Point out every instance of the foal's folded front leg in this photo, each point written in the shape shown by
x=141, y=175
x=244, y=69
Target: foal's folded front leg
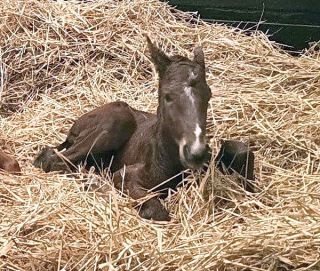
x=129, y=181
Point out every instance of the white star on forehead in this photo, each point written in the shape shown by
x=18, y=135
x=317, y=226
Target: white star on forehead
x=188, y=91
x=192, y=75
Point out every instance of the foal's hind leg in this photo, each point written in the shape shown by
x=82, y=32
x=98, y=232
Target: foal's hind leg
x=103, y=130
x=129, y=181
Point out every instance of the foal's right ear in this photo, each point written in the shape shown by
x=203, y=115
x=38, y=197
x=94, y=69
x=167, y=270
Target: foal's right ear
x=199, y=56
x=158, y=57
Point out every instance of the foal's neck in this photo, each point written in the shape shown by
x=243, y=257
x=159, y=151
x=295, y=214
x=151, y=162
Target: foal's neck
x=165, y=149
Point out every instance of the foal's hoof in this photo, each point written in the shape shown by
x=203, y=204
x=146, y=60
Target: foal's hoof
x=48, y=161
x=44, y=159
x=153, y=209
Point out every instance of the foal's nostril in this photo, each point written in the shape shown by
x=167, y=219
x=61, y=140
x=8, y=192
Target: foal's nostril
x=186, y=152
x=195, y=155
x=199, y=155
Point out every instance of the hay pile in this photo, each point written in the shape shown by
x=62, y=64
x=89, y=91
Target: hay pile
x=61, y=59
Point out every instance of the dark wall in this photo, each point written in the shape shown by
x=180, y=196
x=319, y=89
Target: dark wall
x=291, y=22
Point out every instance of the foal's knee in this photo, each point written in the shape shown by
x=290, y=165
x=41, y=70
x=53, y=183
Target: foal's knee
x=153, y=209
x=128, y=181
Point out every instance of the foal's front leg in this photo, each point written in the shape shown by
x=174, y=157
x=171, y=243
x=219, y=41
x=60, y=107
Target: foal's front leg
x=129, y=180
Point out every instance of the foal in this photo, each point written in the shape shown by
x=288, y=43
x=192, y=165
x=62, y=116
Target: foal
x=153, y=148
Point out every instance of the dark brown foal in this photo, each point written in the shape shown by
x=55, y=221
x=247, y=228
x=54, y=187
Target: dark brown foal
x=147, y=149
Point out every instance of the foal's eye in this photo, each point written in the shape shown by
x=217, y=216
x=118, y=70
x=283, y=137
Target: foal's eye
x=168, y=98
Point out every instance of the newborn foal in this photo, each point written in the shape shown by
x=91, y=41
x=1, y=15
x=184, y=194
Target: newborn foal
x=154, y=148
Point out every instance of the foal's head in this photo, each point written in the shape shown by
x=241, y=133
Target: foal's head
x=183, y=102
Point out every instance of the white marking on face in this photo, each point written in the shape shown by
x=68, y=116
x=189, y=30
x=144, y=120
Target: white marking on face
x=197, y=131
x=182, y=143
x=188, y=91
x=192, y=76
x=196, y=145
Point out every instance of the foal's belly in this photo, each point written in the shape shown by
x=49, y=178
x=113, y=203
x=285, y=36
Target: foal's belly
x=137, y=148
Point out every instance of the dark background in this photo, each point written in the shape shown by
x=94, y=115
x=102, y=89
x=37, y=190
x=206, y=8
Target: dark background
x=295, y=23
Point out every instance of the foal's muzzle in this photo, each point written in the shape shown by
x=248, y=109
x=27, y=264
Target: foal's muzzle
x=193, y=158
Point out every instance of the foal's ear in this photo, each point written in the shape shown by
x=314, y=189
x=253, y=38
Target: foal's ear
x=199, y=56
x=158, y=57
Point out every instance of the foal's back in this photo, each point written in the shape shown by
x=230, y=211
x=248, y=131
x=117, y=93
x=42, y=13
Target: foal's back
x=137, y=147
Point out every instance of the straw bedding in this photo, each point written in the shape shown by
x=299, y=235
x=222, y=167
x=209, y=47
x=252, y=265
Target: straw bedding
x=61, y=59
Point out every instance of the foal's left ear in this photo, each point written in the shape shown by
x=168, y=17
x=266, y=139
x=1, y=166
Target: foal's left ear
x=199, y=56
x=158, y=57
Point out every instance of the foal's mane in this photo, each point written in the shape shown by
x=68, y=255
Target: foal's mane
x=182, y=59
